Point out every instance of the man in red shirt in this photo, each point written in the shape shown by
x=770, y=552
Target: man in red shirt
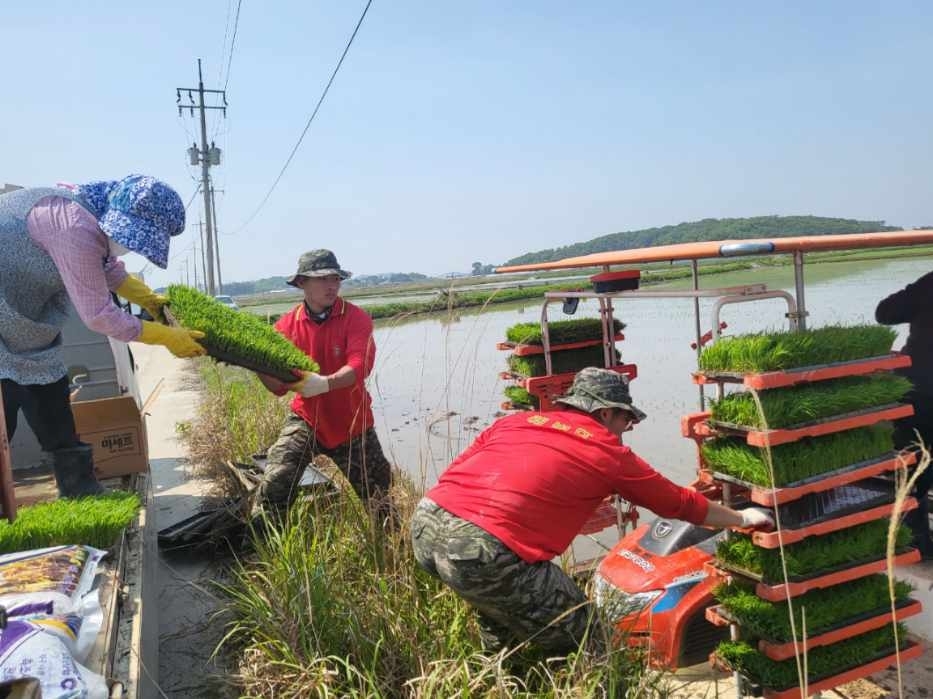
x=332, y=411
x=521, y=492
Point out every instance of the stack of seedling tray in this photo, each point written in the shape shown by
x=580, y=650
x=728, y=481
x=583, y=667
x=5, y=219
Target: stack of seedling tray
x=827, y=397
x=573, y=345
x=236, y=337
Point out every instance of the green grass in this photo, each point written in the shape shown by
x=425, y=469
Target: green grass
x=561, y=331
x=235, y=418
x=821, y=662
x=798, y=460
x=330, y=605
x=519, y=397
x=823, y=608
x=797, y=405
x=241, y=335
x=814, y=555
x=93, y=521
x=787, y=350
x=562, y=362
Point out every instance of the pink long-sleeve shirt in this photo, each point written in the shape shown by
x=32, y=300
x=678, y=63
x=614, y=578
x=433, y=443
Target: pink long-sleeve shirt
x=71, y=237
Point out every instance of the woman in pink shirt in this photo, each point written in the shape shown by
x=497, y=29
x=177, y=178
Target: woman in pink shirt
x=62, y=244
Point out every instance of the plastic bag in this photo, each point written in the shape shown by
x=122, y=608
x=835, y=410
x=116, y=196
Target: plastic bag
x=39, y=648
x=62, y=575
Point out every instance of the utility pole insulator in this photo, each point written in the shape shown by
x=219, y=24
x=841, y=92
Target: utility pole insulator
x=205, y=157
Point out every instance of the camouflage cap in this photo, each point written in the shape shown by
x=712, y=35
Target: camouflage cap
x=318, y=263
x=595, y=388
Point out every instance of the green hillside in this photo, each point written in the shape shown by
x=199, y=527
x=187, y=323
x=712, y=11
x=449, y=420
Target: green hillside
x=708, y=229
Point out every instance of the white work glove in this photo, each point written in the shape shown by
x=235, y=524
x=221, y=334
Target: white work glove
x=311, y=385
x=757, y=518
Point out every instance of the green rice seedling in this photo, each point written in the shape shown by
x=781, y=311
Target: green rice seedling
x=798, y=405
x=822, y=662
x=825, y=608
x=797, y=460
x=239, y=338
x=812, y=556
x=519, y=397
x=780, y=351
x=92, y=521
x=562, y=362
x=561, y=331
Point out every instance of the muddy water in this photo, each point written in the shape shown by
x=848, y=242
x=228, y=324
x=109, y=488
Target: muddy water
x=436, y=381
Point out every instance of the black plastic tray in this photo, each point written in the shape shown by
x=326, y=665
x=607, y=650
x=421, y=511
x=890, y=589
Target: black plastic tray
x=837, y=502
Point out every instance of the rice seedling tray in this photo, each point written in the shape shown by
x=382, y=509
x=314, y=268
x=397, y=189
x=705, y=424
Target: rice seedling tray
x=772, y=497
x=854, y=626
x=786, y=350
x=797, y=585
x=822, y=372
x=837, y=423
x=825, y=523
x=525, y=350
x=229, y=358
x=236, y=338
x=560, y=332
x=911, y=651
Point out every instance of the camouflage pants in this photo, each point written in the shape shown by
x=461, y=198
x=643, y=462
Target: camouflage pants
x=361, y=460
x=515, y=601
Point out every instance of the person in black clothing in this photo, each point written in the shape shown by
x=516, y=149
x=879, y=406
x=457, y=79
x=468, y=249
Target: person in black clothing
x=914, y=304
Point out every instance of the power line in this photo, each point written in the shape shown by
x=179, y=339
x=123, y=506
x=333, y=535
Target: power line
x=307, y=125
x=196, y=190
x=223, y=46
x=236, y=23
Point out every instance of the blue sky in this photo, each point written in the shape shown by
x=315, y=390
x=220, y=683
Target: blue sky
x=478, y=131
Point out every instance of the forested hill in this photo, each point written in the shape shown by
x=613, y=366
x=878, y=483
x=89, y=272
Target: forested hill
x=708, y=229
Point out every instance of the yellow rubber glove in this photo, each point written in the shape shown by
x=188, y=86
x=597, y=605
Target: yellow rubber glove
x=180, y=341
x=135, y=291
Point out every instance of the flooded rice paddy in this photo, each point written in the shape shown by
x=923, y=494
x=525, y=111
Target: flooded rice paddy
x=436, y=382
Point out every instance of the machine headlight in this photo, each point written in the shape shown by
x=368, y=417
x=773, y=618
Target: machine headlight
x=617, y=604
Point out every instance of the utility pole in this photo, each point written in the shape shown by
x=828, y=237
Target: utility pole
x=195, y=265
x=203, y=258
x=205, y=157
x=220, y=281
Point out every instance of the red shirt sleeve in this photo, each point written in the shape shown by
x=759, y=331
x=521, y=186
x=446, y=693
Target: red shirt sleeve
x=645, y=487
x=361, y=350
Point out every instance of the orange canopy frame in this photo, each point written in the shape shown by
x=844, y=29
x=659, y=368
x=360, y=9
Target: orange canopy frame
x=734, y=248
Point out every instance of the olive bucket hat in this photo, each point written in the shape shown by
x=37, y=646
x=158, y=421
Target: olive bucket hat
x=318, y=263
x=595, y=388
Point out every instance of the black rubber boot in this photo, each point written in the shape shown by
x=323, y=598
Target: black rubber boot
x=74, y=472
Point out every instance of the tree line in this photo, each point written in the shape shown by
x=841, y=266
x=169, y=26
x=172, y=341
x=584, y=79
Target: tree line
x=708, y=229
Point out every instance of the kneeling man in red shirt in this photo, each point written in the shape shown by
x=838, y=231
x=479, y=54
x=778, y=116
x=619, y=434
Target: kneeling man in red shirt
x=517, y=497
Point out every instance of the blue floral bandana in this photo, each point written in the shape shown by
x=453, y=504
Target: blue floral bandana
x=140, y=213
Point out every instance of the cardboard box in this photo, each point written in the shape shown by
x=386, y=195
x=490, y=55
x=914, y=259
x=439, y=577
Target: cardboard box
x=116, y=430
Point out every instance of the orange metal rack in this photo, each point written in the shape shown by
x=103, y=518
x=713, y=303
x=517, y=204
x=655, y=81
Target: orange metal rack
x=700, y=427
x=783, y=379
